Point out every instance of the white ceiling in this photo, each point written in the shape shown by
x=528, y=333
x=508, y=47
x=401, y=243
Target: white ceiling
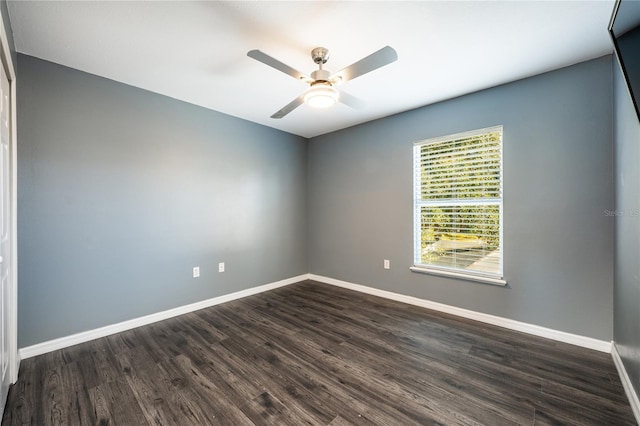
x=196, y=51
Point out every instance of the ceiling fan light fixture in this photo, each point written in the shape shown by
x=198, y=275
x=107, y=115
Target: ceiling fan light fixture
x=321, y=95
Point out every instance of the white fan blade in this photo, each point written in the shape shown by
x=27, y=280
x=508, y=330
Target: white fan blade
x=378, y=59
x=289, y=107
x=350, y=100
x=280, y=66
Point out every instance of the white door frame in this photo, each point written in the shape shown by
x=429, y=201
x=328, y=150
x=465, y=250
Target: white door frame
x=7, y=62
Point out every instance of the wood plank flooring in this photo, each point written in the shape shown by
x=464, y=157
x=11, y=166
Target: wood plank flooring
x=313, y=354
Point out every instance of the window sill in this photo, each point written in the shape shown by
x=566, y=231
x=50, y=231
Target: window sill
x=476, y=278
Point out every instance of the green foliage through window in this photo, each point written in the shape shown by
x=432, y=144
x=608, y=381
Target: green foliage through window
x=458, y=202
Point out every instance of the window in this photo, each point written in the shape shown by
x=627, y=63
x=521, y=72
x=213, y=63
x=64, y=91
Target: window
x=458, y=205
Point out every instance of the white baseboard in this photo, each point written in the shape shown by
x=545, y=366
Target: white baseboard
x=85, y=336
x=63, y=342
x=561, y=336
x=632, y=396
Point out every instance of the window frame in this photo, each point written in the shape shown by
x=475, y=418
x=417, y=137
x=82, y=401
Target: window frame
x=478, y=276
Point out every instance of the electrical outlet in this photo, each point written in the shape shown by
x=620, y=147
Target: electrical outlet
x=196, y=271
x=387, y=264
x=221, y=267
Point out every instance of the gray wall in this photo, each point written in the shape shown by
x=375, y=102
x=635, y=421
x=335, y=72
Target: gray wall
x=558, y=181
x=627, y=251
x=122, y=191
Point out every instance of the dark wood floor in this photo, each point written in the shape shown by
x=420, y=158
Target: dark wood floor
x=319, y=355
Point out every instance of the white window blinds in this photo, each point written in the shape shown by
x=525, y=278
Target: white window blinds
x=458, y=203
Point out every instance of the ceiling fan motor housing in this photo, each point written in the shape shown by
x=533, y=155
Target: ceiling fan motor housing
x=320, y=76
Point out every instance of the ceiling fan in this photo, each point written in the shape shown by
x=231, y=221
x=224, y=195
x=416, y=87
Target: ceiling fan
x=321, y=92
